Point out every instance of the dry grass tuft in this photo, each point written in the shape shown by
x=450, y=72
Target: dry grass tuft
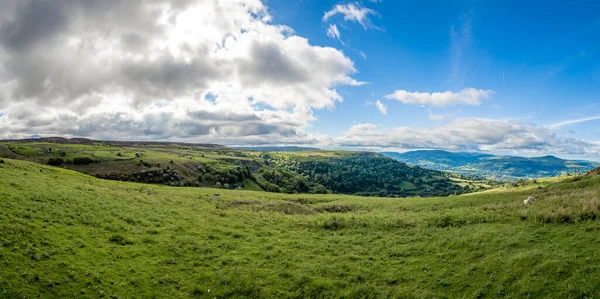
x=493, y=207
x=590, y=206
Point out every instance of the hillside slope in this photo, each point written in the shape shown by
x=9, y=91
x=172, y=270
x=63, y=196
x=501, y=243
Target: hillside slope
x=276, y=148
x=64, y=234
x=491, y=166
x=208, y=165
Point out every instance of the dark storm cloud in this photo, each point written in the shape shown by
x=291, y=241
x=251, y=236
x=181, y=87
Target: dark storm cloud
x=268, y=62
x=35, y=22
x=134, y=42
x=168, y=75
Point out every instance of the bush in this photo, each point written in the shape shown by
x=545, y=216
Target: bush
x=83, y=160
x=319, y=189
x=1, y=161
x=55, y=161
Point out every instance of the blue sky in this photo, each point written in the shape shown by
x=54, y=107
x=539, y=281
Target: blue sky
x=539, y=57
x=506, y=77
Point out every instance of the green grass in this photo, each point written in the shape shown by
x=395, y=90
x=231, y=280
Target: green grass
x=64, y=234
x=316, y=171
x=122, y=159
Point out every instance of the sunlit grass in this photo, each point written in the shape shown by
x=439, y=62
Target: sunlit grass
x=64, y=234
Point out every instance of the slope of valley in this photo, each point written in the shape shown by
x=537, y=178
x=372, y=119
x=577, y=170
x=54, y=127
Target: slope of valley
x=206, y=165
x=64, y=234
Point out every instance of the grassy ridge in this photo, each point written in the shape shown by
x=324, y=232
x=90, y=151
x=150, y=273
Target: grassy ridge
x=198, y=165
x=65, y=234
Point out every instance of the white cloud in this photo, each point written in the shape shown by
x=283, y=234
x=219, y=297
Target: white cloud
x=361, y=53
x=469, y=134
x=214, y=71
x=467, y=96
x=333, y=32
x=353, y=12
x=573, y=121
x=434, y=116
x=381, y=107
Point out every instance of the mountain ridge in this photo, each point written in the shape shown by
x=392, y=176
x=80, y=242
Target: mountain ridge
x=493, y=166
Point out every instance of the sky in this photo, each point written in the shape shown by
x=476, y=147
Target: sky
x=504, y=77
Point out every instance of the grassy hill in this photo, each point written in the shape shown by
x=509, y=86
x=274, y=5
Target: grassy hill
x=64, y=234
x=491, y=166
x=209, y=165
x=276, y=148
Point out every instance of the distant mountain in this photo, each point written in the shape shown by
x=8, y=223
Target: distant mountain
x=492, y=166
x=276, y=148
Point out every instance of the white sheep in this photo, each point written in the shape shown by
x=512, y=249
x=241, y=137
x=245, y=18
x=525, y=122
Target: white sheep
x=529, y=200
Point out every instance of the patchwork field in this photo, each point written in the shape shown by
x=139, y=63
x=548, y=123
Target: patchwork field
x=64, y=234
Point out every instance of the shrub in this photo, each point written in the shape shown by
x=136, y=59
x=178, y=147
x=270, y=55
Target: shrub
x=55, y=161
x=319, y=189
x=83, y=161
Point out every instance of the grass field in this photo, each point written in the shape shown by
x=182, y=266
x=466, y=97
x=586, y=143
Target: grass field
x=64, y=234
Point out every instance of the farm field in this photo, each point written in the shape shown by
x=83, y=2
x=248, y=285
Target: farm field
x=64, y=234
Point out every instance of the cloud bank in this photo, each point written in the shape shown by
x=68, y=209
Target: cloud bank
x=469, y=134
x=216, y=71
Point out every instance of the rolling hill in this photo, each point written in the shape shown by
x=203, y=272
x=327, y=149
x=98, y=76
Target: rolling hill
x=492, y=166
x=276, y=148
x=64, y=234
x=209, y=165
